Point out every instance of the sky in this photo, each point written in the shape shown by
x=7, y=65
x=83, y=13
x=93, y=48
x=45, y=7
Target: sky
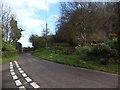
x=32, y=15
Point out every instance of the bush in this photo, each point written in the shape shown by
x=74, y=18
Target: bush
x=100, y=49
x=82, y=50
x=112, y=43
x=103, y=50
x=7, y=47
x=114, y=53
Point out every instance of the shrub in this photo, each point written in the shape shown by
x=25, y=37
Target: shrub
x=103, y=50
x=100, y=49
x=7, y=47
x=82, y=50
x=114, y=53
x=112, y=43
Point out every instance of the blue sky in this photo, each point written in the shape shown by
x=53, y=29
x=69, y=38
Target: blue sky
x=31, y=16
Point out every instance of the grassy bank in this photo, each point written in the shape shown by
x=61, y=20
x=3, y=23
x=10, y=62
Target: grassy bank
x=76, y=60
x=9, y=56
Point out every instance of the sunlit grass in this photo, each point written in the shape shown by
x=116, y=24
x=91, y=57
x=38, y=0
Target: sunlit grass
x=76, y=60
x=9, y=56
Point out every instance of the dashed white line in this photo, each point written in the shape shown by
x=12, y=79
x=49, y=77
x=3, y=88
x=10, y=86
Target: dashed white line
x=18, y=66
x=21, y=71
x=28, y=79
x=34, y=85
x=24, y=74
x=15, y=61
x=15, y=77
x=18, y=83
x=10, y=62
x=12, y=73
x=22, y=88
x=11, y=70
x=11, y=67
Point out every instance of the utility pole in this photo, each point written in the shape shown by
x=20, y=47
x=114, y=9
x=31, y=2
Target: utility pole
x=46, y=30
x=46, y=35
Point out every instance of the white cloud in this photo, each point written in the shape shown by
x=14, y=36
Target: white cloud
x=52, y=1
x=25, y=11
x=23, y=40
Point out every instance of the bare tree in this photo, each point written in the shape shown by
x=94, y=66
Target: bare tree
x=5, y=17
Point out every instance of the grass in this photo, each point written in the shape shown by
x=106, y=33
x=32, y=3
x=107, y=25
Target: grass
x=8, y=57
x=76, y=60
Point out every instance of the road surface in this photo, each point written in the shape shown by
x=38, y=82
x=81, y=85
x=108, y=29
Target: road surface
x=31, y=72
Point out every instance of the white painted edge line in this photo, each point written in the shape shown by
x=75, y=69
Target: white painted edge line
x=22, y=88
x=18, y=83
x=24, y=74
x=12, y=73
x=15, y=77
x=21, y=71
x=34, y=85
x=28, y=79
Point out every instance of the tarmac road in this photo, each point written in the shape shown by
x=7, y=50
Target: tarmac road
x=31, y=72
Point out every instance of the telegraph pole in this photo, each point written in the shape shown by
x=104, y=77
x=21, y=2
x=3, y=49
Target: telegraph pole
x=46, y=30
x=46, y=35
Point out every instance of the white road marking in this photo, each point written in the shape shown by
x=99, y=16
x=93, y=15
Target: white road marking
x=28, y=79
x=22, y=88
x=18, y=66
x=11, y=70
x=21, y=71
x=15, y=77
x=15, y=61
x=24, y=75
x=11, y=67
x=11, y=63
x=18, y=83
x=34, y=85
x=12, y=73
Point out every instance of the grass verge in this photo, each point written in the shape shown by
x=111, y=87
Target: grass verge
x=8, y=57
x=76, y=60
